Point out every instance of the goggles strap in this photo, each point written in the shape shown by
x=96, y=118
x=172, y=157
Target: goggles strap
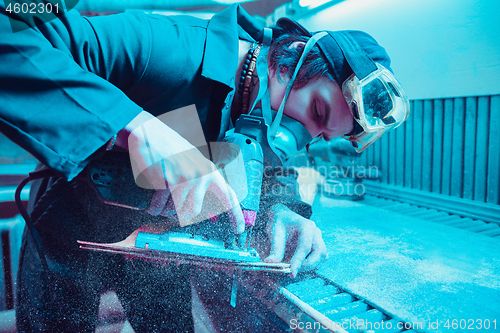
x=361, y=64
x=310, y=43
x=263, y=72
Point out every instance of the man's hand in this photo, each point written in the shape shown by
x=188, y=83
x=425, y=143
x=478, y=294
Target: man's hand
x=286, y=229
x=165, y=161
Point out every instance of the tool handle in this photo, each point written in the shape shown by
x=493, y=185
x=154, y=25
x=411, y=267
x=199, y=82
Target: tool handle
x=113, y=179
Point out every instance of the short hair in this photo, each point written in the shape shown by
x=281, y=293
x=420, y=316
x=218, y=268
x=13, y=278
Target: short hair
x=281, y=56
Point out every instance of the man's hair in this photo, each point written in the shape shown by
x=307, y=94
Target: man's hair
x=283, y=58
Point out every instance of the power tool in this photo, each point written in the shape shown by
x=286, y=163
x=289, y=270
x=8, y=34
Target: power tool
x=212, y=242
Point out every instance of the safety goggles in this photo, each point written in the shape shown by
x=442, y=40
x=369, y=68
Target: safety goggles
x=377, y=102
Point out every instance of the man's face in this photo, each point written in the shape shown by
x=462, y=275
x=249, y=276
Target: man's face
x=319, y=105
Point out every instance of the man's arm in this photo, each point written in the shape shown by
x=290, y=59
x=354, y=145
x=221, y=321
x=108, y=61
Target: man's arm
x=287, y=229
x=286, y=219
x=56, y=100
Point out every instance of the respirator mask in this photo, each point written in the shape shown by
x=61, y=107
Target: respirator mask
x=280, y=136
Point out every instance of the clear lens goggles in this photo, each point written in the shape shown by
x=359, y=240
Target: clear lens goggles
x=377, y=102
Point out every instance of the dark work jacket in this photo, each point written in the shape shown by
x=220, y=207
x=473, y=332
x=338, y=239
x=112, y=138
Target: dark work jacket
x=69, y=85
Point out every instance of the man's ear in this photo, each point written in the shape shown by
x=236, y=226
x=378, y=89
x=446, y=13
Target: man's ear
x=297, y=45
x=294, y=45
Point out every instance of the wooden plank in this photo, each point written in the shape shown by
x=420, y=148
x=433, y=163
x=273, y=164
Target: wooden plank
x=400, y=154
x=371, y=156
x=321, y=294
x=493, y=193
x=384, y=159
x=408, y=147
x=343, y=311
x=462, y=207
x=332, y=300
x=493, y=232
x=392, y=157
x=370, y=316
x=376, y=157
x=481, y=168
x=457, y=154
x=447, y=146
x=417, y=146
x=437, y=142
x=386, y=154
x=470, y=146
x=397, y=156
x=367, y=154
x=427, y=148
x=305, y=285
x=362, y=159
x=289, y=307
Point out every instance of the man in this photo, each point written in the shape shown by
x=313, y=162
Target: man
x=75, y=86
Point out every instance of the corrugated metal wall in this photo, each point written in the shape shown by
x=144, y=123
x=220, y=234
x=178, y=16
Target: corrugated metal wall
x=449, y=146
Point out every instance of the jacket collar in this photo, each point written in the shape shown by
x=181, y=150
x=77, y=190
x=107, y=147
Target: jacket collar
x=221, y=48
